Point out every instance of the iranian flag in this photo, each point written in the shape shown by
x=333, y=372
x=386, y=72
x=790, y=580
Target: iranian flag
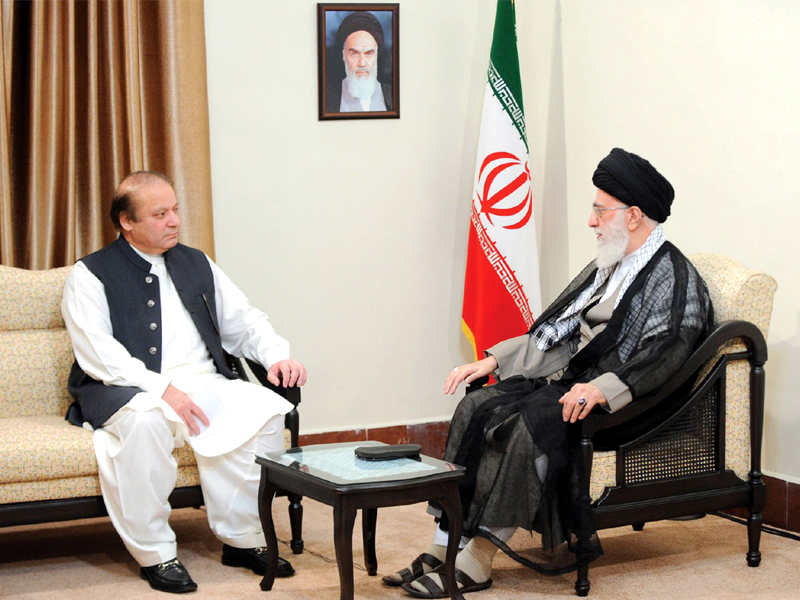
x=501, y=287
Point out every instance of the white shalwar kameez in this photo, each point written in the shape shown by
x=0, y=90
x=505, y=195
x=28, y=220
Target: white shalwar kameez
x=134, y=447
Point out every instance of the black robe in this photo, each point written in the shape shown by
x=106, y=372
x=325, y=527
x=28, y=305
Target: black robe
x=523, y=463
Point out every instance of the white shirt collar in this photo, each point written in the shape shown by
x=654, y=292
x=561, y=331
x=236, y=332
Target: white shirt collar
x=153, y=259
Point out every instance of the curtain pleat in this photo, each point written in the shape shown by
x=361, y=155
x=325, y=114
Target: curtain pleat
x=6, y=60
x=92, y=90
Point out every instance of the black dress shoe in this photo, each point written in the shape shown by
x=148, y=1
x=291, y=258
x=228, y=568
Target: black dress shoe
x=170, y=576
x=254, y=559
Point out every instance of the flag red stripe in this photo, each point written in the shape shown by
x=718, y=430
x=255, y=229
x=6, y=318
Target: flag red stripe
x=489, y=311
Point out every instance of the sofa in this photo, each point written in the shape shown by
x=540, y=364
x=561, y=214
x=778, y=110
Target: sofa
x=48, y=470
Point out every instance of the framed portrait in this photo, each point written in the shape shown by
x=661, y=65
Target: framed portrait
x=359, y=61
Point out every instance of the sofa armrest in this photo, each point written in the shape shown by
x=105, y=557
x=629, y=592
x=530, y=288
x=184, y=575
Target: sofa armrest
x=292, y=394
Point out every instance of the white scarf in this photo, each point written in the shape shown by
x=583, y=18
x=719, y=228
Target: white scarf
x=549, y=333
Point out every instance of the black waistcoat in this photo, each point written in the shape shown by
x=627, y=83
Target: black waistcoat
x=134, y=305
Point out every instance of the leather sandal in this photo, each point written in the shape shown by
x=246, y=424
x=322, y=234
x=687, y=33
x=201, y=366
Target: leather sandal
x=415, y=571
x=465, y=585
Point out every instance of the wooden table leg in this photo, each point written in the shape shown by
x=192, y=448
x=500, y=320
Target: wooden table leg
x=369, y=518
x=296, y=521
x=452, y=508
x=266, y=493
x=344, y=517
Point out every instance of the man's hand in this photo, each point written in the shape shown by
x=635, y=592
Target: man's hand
x=185, y=407
x=469, y=373
x=573, y=409
x=291, y=373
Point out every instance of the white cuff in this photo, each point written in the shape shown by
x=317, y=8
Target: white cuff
x=154, y=383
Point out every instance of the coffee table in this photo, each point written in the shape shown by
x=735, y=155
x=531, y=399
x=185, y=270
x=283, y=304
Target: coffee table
x=333, y=475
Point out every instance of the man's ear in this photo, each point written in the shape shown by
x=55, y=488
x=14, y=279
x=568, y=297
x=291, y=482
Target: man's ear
x=125, y=221
x=635, y=215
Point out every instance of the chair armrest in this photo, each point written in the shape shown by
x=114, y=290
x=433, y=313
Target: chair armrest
x=292, y=394
x=477, y=384
x=719, y=335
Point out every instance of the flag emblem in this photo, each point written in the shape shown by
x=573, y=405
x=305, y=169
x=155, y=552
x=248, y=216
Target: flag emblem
x=500, y=197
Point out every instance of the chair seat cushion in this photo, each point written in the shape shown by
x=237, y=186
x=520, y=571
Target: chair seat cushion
x=47, y=447
x=604, y=473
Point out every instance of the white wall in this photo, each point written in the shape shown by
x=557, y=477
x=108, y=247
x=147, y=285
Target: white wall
x=709, y=92
x=352, y=234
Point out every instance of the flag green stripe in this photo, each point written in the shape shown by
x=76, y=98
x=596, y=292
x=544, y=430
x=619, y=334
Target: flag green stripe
x=504, y=48
x=510, y=105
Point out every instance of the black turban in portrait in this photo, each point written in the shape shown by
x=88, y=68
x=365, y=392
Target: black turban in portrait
x=359, y=20
x=635, y=182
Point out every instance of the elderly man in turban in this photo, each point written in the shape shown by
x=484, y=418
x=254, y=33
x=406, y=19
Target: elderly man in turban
x=618, y=332
x=360, y=37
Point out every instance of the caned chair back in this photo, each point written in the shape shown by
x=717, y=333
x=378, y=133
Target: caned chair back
x=737, y=293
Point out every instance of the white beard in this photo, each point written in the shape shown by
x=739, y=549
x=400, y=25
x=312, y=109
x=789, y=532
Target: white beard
x=361, y=88
x=612, y=245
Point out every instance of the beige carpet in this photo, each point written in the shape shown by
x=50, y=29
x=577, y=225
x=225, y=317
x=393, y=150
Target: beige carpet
x=85, y=560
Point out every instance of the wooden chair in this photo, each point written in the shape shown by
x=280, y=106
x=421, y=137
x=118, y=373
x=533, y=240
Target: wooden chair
x=707, y=455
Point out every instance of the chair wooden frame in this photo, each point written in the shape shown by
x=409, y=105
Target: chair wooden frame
x=698, y=485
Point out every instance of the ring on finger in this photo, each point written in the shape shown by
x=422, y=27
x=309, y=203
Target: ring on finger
x=582, y=401
x=455, y=369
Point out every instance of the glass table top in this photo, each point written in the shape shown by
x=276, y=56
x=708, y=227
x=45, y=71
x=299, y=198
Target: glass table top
x=338, y=464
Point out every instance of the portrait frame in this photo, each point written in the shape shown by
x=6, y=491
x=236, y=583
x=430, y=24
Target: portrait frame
x=336, y=79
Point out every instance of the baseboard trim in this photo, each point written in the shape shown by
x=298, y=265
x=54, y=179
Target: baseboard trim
x=431, y=436
x=783, y=505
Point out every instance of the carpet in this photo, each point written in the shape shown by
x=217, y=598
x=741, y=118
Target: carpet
x=695, y=560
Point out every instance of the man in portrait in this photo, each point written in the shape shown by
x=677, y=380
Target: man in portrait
x=364, y=55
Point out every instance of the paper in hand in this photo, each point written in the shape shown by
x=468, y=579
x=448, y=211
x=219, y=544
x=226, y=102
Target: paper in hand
x=211, y=405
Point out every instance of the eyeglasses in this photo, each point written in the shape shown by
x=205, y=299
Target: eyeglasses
x=599, y=210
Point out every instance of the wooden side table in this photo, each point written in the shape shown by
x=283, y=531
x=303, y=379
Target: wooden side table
x=331, y=474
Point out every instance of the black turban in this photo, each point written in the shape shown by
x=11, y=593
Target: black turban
x=635, y=182
x=360, y=20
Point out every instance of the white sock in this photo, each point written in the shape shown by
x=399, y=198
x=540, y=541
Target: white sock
x=437, y=550
x=475, y=560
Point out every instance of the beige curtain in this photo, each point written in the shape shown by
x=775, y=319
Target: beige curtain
x=90, y=91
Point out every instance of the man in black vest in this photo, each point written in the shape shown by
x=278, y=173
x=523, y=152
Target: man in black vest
x=150, y=320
